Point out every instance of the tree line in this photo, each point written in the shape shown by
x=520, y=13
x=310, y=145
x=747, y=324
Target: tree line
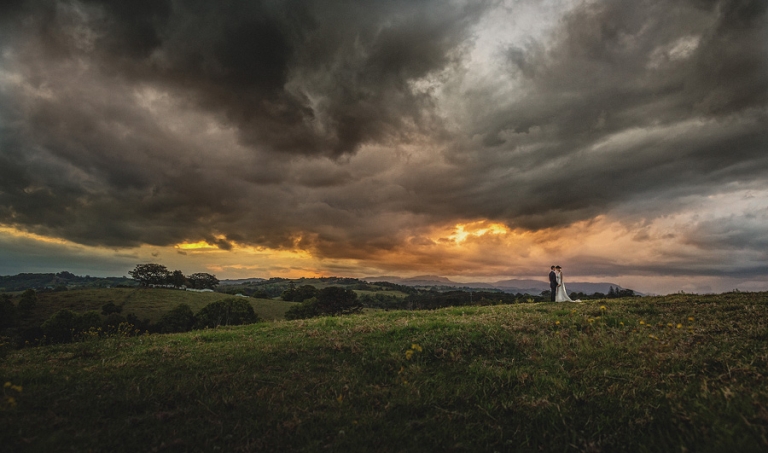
x=18, y=328
x=153, y=274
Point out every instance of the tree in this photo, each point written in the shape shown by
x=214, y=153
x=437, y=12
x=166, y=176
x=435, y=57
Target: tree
x=7, y=312
x=178, y=279
x=60, y=327
x=201, y=280
x=333, y=300
x=299, y=294
x=227, y=312
x=110, y=307
x=180, y=319
x=150, y=274
x=27, y=303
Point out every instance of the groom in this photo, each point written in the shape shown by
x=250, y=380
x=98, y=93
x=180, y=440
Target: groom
x=552, y=284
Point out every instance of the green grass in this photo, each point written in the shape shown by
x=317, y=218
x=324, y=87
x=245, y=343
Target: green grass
x=529, y=377
x=149, y=303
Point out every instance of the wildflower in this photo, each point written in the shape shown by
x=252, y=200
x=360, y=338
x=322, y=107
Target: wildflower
x=621, y=323
x=602, y=307
x=591, y=320
x=653, y=336
x=416, y=347
x=642, y=323
x=690, y=318
x=408, y=354
x=679, y=326
x=669, y=324
x=557, y=323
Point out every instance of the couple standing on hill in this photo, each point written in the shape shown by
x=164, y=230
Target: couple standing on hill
x=557, y=286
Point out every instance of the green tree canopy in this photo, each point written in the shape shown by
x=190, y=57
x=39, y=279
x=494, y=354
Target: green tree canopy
x=202, y=280
x=150, y=274
x=227, y=312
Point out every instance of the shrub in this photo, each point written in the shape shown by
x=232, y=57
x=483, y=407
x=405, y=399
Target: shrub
x=65, y=325
x=27, y=303
x=7, y=312
x=180, y=319
x=143, y=325
x=227, y=312
x=304, y=310
x=61, y=326
x=112, y=322
x=110, y=307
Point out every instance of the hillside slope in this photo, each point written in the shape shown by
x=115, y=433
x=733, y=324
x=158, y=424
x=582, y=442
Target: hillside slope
x=653, y=374
x=150, y=303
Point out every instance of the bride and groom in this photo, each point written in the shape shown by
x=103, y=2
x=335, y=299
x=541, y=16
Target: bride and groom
x=557, y=291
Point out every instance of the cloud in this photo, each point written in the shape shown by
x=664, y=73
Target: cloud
x=354, y=131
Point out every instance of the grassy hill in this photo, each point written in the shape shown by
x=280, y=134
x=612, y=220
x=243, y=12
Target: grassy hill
x=149, y=303
x=675, y=373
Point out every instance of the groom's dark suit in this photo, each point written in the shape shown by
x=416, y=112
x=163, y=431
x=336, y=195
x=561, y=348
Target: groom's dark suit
x=552, y=285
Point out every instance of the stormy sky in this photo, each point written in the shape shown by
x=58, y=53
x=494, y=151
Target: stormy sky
x=626, y=140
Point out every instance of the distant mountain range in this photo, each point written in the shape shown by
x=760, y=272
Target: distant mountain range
x=524, y=286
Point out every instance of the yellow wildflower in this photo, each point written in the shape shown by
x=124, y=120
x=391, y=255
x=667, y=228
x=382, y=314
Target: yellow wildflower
x=642, y=323
x=408, y=354
x=679, y=326
x=602, y=307
x=557, y=323
x=416, y=347
x=690, y=318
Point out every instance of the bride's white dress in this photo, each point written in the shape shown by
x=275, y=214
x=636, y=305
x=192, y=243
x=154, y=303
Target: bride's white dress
x=562, y=294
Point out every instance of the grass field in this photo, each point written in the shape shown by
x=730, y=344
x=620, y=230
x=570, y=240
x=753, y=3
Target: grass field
x=145, y=303
x=677, y=373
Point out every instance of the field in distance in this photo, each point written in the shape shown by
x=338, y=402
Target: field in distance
x=673, y=373
x=146, y=303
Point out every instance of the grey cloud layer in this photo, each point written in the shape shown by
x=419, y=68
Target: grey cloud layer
x=325, y=124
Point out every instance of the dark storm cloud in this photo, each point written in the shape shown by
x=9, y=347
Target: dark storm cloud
x=632, y=100
x=85, y=161
x=357, y=125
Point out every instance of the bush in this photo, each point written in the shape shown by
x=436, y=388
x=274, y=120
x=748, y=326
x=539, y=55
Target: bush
x=110, y=307
x=112, y=322
x=304, y=310
x=180, y=319
x=27, y=303
x=88, y=320
x=65, y=325
x=227, y=312
x=142, y=325
x=61, y=326
x=7, y=312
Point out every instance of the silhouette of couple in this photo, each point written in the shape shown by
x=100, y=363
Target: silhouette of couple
x=557, y=291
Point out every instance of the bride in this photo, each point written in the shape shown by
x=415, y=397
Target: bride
x=562, y=294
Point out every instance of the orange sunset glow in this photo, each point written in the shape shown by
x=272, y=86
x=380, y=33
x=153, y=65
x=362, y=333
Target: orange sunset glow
x=474, y=141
